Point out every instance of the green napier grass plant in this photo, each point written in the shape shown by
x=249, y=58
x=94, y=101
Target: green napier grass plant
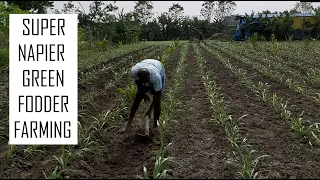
x=64, y=159
x=315, y=132
x=85, y=137
x=128, y=93
x=102, y=44
x=119, y=74
x=249, y=163
x=55, y=174
x=159, y=170
x=317, y=98
x=248, y=169
x=261, y=89
x=169, y=52
x=104, y=120
x=313, y=75
x=254, y=40
x=11, y=151
x=30, y=149
x=276, y=46
x=66, y=156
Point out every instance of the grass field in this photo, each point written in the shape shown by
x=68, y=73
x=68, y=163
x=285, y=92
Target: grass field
x=229, y=111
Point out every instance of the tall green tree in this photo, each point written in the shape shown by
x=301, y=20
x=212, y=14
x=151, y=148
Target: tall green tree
x=218, y=10
x=266, y=12
x=176, y=11
x=143, y=11
x=39, y=7
x=69, y=8
x=304, y=7
x=224, y=9
x=207, y=10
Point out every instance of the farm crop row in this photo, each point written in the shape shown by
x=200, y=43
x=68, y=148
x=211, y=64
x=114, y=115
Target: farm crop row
x=244, y=152
x=306, y=93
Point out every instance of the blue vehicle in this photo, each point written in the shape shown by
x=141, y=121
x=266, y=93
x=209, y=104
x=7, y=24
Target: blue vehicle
x=297, y=19
x=241, y=33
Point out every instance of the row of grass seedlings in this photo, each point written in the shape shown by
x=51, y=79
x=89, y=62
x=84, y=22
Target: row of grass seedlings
x=262, y=61
x=169, y=106
x=296, y=80
x=307, y=62
x=291, y=83
x=70, y=152
x=295, y=54
x=240, y=146
x=86, y=140
x=300, y=127
x=87, y=76
x=169, y=52
x=88, y=59
x=312, y=74
x=94, y=60
x=273, y=63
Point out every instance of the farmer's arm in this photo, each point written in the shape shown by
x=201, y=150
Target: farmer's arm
x=135, y=105
x=138, y=98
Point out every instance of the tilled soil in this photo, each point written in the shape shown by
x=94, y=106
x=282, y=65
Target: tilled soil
x=264, y=129
x=199, y=148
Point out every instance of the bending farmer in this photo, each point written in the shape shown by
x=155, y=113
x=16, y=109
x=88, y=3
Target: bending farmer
x=149, y=76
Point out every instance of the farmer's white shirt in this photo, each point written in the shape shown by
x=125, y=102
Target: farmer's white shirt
x=156, y=71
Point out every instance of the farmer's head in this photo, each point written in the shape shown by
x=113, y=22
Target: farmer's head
x=143, y=75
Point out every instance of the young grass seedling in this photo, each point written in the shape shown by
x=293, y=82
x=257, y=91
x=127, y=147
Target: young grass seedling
x=30, y=149
x=55, y=174
x=11, y=151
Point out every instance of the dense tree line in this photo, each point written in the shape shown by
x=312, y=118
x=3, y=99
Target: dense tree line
x=106, y=22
